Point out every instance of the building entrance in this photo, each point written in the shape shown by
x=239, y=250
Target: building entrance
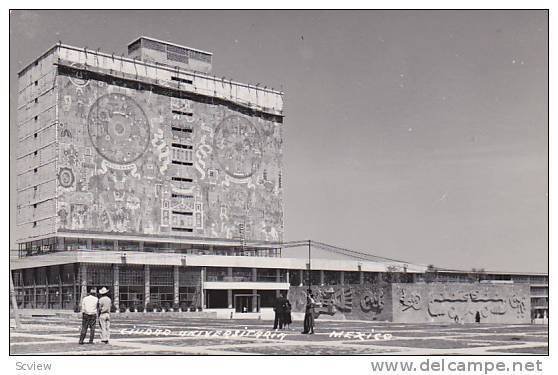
x=247, y=303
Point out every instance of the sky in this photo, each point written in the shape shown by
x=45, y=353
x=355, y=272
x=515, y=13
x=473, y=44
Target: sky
x=414, y=135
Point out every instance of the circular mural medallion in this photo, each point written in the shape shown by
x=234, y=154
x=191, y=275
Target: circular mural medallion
x=118, y=128
x=238, y=146
x=77, y=79
x=66, y=177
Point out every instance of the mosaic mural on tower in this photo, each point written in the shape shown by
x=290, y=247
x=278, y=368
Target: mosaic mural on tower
x=131, y=160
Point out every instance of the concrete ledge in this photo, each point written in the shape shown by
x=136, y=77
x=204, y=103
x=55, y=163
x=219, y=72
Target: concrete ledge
x=169, y=314
x=62, y=313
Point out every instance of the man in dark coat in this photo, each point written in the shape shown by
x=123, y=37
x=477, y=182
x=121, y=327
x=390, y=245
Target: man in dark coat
x=287, y=319
x=309, y=313
x=279, y=312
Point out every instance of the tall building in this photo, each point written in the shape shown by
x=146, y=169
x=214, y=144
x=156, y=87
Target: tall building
x=148, y=146
x=150, y=176
x=145, y=153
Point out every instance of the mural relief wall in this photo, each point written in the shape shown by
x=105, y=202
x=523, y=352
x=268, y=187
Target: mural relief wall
x=460, y=303
x=416, y=303
x=135, y=161
x=363, y=302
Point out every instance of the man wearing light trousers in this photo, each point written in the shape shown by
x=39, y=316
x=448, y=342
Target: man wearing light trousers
x=104, y=315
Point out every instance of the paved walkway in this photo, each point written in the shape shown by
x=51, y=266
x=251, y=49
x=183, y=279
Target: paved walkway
x=176, y=336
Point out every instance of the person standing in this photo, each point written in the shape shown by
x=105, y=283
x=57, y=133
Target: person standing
x=309, y=313
x=104, y=314
x=89, y=307
x=287, y=320
x=279, y=312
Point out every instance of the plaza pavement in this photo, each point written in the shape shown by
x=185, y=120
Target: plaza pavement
x=58, y=335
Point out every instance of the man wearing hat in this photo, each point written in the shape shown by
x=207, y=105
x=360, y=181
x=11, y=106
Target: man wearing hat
x=89, y=315
x=104, y=314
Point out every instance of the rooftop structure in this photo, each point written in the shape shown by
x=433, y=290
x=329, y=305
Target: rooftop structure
x=161, y=52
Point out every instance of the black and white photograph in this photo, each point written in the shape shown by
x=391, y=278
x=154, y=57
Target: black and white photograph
x=280, y=182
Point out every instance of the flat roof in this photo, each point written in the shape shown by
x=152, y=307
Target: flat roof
x=489, y=272
x=169, y=43
x=158, y=66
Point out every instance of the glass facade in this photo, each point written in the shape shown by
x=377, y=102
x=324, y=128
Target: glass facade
x=241, y=274
x=132, y=287
x=331, y=278
x=82, y=244
x=216, y=273
x=294, y=278
x=99, y=275
x=267, y=298
x=161, y=286
x=68, y=297
x=370, y=277
x=266, y=275
x=352, y=277
x=102, y=245
x=314, y=277
x=189, y=280
x=215, y=299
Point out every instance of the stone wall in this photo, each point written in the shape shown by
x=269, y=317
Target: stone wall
x=359, y=302
x=456, y=302
x=121, y=144
x=418, y=303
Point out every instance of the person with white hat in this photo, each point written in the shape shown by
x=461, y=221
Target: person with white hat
x=104, y=314
x=89, y=306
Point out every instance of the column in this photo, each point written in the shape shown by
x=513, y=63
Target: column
x=116, y=286
x=342, y=277
x=75, y=276
x=60, y=285
x=277, y=280
x=322, y=277
x=89, y=244
x=46, y=293
x=361, y=277
x=202, y=293
x=140, y=244
x=34, y=288
x=83, y=281
x=115, y=245
x=301, y=273
x=288, y=278
x=176, y=279
x=254, y=301
x=229, y=291
x=147, y=283
x=254, y=274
